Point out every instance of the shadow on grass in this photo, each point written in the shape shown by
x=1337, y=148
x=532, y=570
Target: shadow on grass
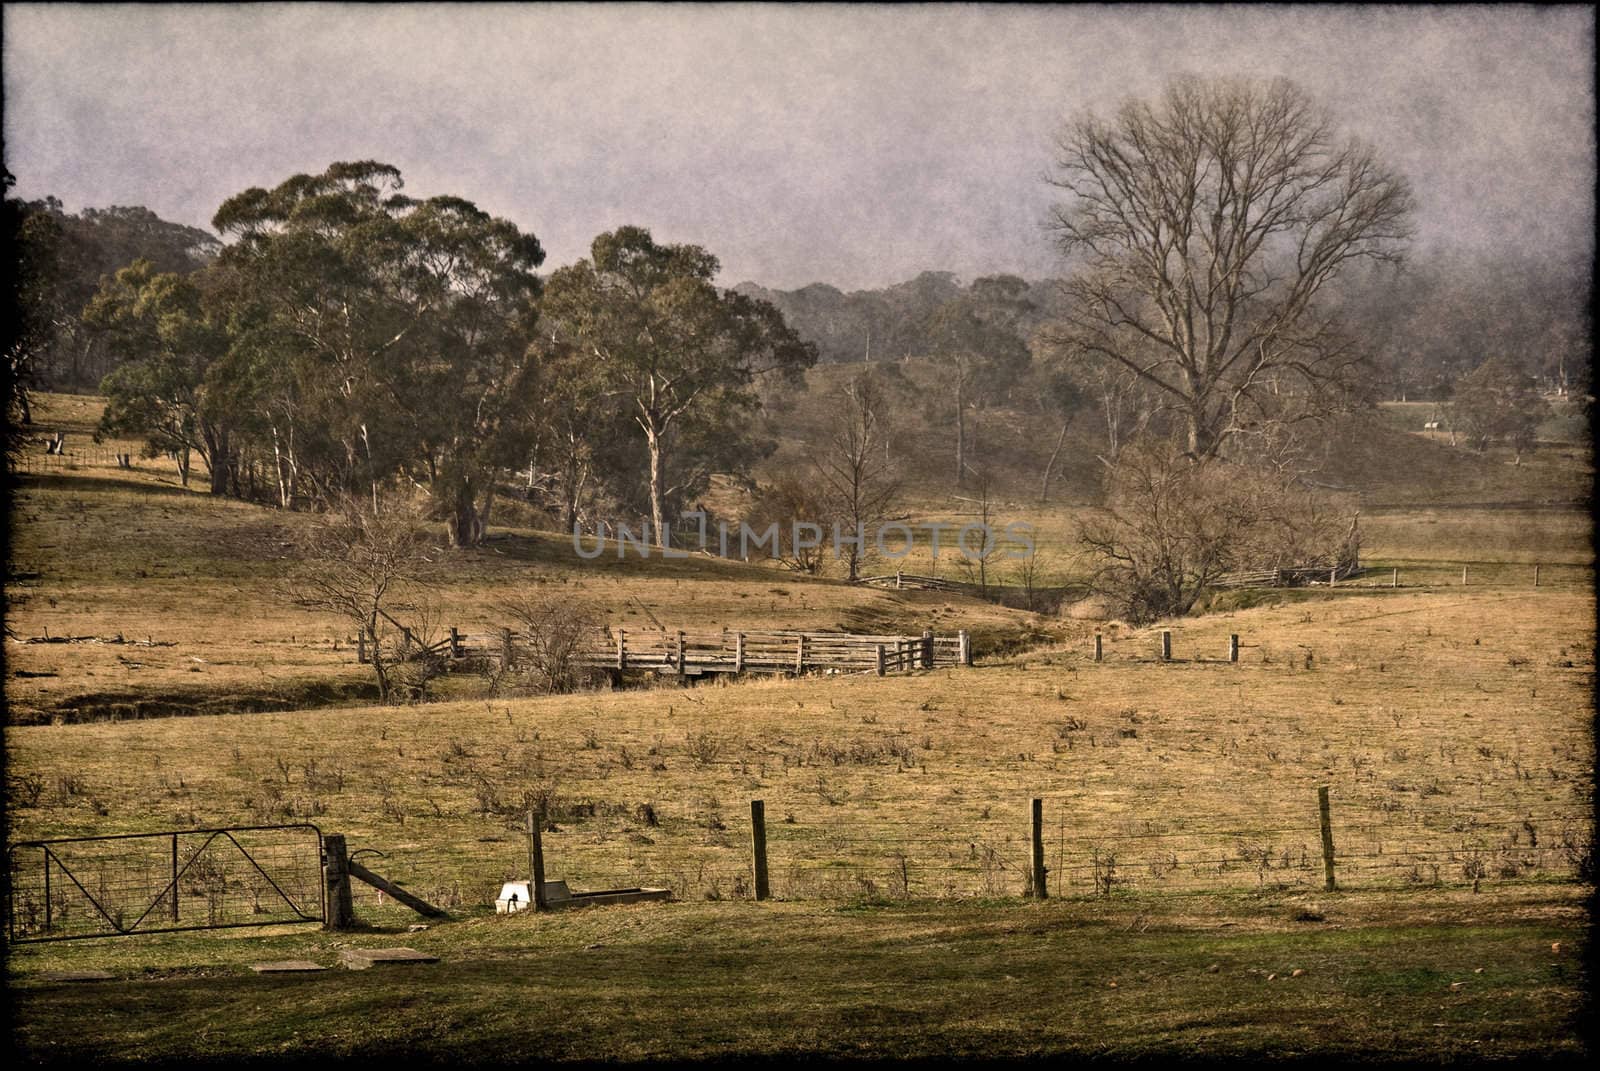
x=55, y=481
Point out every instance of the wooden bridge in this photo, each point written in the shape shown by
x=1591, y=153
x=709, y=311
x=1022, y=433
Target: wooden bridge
x=695, y=654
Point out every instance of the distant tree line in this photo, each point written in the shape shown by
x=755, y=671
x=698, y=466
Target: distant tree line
x=343, y=336
x=349, y=338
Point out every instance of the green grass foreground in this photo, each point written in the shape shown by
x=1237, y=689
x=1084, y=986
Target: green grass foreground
x=1427, y=976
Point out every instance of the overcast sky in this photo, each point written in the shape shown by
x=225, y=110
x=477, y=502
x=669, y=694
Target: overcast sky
x=844, y=144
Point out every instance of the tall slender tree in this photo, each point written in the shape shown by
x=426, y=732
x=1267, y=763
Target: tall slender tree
x=680, y=353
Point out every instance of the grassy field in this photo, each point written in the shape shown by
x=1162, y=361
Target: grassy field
x=1424, y=977
x=1451, y=724
x=100, y=552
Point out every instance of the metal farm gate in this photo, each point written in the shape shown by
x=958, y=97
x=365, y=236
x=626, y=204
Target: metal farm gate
x=195, y=879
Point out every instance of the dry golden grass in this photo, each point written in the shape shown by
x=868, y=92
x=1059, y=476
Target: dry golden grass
x=1442, y=717
x=109, y=552
x=1452, y=726
x=1442, y=721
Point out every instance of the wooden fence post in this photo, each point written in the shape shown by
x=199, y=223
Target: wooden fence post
x=681, y=666
x=927, y=648
x=1463, y=576
x=1535, y=576
x=536, y=858
x=738, y=652
x=338, y=912
x=1394, y=577
x=1233, y=647
x=505, y=650
x=1041, y=885
x=1327, y=838
x=455, y=642
x=1333, y=577
x=758, y=846
x=1099, y=647
x=965, y=647
x=800, y=654
x=174, y=877
x=879, y=652
x=622, y=648
x=1166, y=646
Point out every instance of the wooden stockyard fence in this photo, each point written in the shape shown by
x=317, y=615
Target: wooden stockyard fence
x=694, y=654
x=914, y=582
x=1293, y=576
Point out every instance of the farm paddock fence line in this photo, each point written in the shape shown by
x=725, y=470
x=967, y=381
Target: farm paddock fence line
x=790, y=848
x=196, y=879
x=797, y=846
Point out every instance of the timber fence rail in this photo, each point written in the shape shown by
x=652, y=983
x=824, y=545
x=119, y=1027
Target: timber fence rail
x=1292, y=576
x=697, y=653
x=915, y=582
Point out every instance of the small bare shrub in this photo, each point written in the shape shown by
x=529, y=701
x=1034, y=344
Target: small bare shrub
x=557, y=630
x=25, y=789
x=702, y=747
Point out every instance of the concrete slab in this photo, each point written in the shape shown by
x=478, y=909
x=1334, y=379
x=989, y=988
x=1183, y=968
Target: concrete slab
x=360, y=959
x=75, y=976
x=287, y=966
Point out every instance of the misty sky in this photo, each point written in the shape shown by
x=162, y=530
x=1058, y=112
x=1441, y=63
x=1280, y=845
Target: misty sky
x=844, y=144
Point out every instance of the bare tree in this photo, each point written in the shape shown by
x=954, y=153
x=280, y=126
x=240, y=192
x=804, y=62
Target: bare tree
x=859, y=487
x=792, y=506
x=975, y=561
x=1206, y=224
x=1170, y=529
x=558, y=630
x=366, y=566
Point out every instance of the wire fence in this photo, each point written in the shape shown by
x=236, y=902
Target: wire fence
x=707, y=852
x=38, y=461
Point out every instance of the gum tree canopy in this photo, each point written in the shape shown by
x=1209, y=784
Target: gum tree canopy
x=660, y=338
x=389, y=335
x=1204, y=225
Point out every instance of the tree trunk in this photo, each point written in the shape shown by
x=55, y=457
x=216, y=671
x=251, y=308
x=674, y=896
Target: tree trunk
x=183, y=466
x=377, y=660
x=961, y=431
x=1044, y=485
x=219, y=468
x=485, y=509
x=657, y=509
x=464, y=526
x=279, y=470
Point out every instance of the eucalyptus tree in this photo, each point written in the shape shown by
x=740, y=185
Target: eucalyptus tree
x=166, y=387
x=682, y=355
x=859, y=486
x=1205, y=224
x=977, y=340
x=394, y=333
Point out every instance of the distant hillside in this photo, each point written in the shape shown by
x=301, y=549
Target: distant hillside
x=1369, y=451
x=1393, y=467
x=884, y=324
